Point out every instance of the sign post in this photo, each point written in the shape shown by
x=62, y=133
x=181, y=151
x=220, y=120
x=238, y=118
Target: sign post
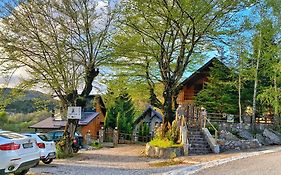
x=74, y=112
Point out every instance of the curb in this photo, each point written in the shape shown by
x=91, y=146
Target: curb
x=195, y=168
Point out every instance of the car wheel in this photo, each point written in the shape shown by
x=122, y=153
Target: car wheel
x=75, y=149
x=47, y=161
x=23, y=172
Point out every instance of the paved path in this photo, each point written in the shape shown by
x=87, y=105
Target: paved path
x=265, y=164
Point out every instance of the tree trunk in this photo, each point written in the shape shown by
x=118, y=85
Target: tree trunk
x=168, y=105
x=276, y=104
x=256, y=81
x=239, y=98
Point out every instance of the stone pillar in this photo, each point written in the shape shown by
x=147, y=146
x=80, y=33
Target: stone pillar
x=184, y=140
x=134, y=137
x=115, y=136
x=101, y=135
x=88, y=138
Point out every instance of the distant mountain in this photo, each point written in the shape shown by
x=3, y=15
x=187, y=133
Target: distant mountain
x=27, y=101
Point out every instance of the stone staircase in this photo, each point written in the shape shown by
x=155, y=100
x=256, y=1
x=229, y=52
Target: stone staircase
x=197, y=143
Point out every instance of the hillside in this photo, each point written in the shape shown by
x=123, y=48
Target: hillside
x=26, y=101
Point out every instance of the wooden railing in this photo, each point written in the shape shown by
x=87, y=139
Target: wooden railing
x=206, y=120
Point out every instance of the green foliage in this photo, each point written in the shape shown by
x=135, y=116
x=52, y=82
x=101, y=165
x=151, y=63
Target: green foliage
x=155, y=35
x=219, y=94
x=21, y=122
x=60, y=153
x=3, y=120
x=143, y=129
x=96, y=144
x=25, y=101
x=163, y=143
x=135, y=87
x=211, y=129
x=121, y=114
x=173, y=132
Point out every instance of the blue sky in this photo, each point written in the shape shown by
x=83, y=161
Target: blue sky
x=2, y=5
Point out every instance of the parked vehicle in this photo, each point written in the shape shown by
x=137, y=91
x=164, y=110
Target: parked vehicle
x=77, y=142
x=46, y=145
x=18, y=153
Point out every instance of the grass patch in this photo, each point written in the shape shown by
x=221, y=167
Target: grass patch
x=163, y=143
x=166, y=163
x=96, y=145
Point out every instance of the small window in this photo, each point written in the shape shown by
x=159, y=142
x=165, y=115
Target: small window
x=44, y=137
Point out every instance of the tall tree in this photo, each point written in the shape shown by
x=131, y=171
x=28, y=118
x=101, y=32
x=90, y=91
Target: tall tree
x=59, y=43
x=121, y=114
x=219, y=94
x=169, y=33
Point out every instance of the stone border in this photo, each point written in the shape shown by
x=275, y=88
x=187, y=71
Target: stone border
x=167, y=153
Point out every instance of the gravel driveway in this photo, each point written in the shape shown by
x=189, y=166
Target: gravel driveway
x=130, y=160
x=122, y=160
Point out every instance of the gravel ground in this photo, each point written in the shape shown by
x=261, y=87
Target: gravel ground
x=122, y=160
x=130, y=160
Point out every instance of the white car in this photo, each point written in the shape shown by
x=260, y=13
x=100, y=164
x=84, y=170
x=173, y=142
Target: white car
x=18, y=153
x=46, y=145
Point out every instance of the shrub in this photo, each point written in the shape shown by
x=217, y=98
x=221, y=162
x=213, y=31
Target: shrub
x=174, y=132
x=60, y=153
x=96, y=144
x=163, y=143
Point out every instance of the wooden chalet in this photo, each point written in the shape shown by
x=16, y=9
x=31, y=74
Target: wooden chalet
x=195, y=83
x=150, y=117
x=92, y=119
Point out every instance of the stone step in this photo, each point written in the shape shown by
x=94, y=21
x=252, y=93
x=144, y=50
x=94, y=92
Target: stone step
x=197, y=143
x=199, y=150
x=199, y=146
x=195, y=133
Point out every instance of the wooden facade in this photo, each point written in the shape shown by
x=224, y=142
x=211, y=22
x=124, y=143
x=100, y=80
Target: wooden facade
x=96, y=122
x=195, y=83
x=94, y=125
x=92, y=119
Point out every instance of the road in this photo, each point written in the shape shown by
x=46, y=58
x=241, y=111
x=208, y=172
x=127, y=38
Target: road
x=265, y=164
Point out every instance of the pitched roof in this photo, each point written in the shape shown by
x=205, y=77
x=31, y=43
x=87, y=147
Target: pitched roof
x=202, y=70
x=49, y=123
x=55, y=123
x=153, y=112
x=87, y=117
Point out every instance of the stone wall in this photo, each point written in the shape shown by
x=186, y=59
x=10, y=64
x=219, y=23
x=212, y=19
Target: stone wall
x=238, y=144
x=243, y=126
x=167, y=153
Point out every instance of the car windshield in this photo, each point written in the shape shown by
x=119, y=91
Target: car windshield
x=44, y=137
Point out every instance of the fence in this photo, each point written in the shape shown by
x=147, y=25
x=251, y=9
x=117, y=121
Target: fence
x=218, y=117
x=133, y=138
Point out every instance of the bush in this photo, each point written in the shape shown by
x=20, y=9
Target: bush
x=173, y=133
x=60, y=153
x=96, y=144
x=163, y=143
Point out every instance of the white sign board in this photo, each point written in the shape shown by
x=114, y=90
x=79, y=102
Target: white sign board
x=230, y=118
x=74, y=112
